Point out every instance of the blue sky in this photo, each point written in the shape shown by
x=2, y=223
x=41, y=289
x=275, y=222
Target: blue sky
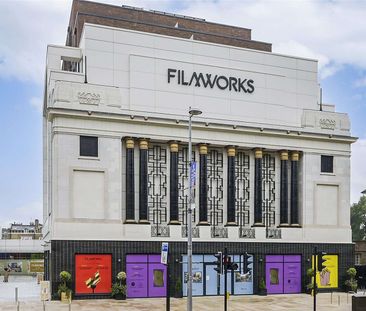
x=331, y=31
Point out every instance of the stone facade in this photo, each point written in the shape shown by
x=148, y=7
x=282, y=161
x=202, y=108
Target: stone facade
x=272, y=167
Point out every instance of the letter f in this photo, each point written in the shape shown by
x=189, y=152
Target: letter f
x=171, y=73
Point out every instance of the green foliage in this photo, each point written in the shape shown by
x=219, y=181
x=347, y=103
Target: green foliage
x=63, y=288
x=352, y=282
x=262, y=284
x=352, y=272
x=310, y=272
x=358, y=219
x=121, y=276
x=178, y=285
x=65, y=277
x=118, y=289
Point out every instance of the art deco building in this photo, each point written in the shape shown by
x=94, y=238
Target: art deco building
x=273, y=162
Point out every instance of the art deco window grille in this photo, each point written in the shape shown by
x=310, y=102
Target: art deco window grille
x=215, y=184
x=242, y=181
x=268, y=189
x=183, y=185
x=157, y=185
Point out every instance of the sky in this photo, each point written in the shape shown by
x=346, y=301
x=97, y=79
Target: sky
x=331, y=31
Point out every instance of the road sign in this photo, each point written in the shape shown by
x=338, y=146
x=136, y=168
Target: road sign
x=164, y=253
x=193, y=174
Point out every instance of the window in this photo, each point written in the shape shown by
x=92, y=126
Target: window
x=88, y=146
x=326, y=164
x=358, y=259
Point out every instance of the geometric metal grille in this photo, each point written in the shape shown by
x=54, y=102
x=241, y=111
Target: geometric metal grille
x=195, y=232
x=274, y=233
x=268, y=190
x=217, y=232
x=242, y=180
x=157, y=185
x=248, y=233
x=183, y=186
x=215, y=185
x=157, y=231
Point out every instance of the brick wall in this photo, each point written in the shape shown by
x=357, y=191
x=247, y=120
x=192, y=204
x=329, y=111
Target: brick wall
x=147, y=21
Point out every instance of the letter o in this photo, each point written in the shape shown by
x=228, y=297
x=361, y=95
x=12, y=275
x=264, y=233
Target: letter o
x=225, y=80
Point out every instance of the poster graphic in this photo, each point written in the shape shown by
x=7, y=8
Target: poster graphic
x=93, y=273
x=328, y=277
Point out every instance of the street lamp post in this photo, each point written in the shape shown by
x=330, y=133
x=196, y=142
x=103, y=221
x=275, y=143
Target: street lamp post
x=192, y=112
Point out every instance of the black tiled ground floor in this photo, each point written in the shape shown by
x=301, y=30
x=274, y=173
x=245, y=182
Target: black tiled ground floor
x=62, y=257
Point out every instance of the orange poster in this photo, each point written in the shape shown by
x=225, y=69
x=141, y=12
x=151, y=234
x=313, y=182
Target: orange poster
x=93, y=274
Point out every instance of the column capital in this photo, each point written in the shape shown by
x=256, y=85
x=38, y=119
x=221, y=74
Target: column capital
x=258, y=153
x=173, y=146
x=231, y=151
x=143, y=143
x=203, y=148
x=130, y=143
x=295, y=156
x=284, y=155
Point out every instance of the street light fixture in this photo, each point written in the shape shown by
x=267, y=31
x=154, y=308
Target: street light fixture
x=192, y=112
x=364, y=192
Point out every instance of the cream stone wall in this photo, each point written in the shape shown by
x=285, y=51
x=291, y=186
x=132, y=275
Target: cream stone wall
x=128, y=95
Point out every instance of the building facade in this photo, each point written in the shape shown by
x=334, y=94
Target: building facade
x=19, y=231
x=272, y=161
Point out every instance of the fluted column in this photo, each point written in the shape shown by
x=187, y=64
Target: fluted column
x=174, y=217
x=143, y=195
x=294, y=188
x=203, y=220
x=231, y=186
x=284, y=189
x=130, y=180
x=258, y=217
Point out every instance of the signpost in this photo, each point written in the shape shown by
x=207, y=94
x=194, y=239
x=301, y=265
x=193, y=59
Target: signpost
x=164, y=259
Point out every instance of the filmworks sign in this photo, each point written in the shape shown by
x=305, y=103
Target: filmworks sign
x=208, y=80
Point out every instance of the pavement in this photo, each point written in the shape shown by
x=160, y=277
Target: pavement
x=29, y=301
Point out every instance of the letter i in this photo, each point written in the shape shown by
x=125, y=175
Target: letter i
x=178, y=76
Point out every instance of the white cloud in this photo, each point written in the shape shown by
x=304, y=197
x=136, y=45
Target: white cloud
x=360, y=82
x=330, y=31
x=358, y=169
x=36, y=103
x=22, y=214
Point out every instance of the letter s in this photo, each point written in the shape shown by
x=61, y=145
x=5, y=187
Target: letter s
x=250, y=86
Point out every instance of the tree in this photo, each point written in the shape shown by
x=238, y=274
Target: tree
x=358, y=219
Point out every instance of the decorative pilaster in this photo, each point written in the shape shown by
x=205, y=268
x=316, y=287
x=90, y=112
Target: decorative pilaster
x=130, y=181
x=284, y=189
x=294, y=188
x=143, y=195
x=203, y=185
x=231, y=152
x=258, y=219
x=174, y=183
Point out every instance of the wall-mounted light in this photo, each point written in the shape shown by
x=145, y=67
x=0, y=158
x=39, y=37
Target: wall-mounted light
x=132, y=116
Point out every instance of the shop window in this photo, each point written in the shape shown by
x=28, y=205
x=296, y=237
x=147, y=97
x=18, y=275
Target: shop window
x=326, y=164
x=88, y=146
x=158, y=278
x=274, y=279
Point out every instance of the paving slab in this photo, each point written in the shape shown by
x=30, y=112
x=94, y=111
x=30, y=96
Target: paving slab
x=298, y=302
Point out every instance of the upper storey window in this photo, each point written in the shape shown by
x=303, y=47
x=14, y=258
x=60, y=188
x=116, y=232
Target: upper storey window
x=326, y=164
x=88, y=146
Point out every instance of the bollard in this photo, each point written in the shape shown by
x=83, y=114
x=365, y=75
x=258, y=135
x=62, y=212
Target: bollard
x=339, y=300
x=16, y=294
x=331, y=297
x=18, y=306
x=70, y=305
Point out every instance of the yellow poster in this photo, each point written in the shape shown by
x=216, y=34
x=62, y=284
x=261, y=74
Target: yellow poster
x=328, y=276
